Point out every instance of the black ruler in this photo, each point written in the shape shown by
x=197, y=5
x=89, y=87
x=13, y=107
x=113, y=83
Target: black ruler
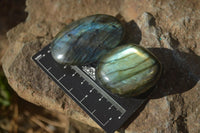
x=79, y=82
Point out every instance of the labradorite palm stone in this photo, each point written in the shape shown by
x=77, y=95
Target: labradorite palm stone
x=86, y=40
x=128, y=70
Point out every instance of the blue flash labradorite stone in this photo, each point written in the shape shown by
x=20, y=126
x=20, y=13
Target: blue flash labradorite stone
x=128, y=70
x=86, y=40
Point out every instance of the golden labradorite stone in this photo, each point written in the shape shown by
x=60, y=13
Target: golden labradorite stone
x=128, y=70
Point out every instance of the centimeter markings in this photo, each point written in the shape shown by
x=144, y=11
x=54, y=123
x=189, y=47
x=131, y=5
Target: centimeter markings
x=101, y=91
x=109, y=112
x=92, y=83
x=70, y=92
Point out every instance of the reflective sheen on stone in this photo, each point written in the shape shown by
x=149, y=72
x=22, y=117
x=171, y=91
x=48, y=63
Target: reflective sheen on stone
x=128, y=70
x=86, y=40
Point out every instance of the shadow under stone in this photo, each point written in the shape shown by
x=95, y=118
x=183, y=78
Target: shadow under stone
x=180, y=69
x=177, y=77
x=180, y=72
x=133, y=33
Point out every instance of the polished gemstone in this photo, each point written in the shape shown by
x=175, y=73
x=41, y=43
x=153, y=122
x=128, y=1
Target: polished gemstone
x=128, y=70
x=86, y=40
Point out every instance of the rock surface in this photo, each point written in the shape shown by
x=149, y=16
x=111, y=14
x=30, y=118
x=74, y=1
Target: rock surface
x=170, y=30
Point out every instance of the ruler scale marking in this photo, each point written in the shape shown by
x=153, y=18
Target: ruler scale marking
x=100, y=90
x=110, y=112
x=71, y=93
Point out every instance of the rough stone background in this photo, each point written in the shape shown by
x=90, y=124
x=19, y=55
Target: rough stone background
x=170, y=29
